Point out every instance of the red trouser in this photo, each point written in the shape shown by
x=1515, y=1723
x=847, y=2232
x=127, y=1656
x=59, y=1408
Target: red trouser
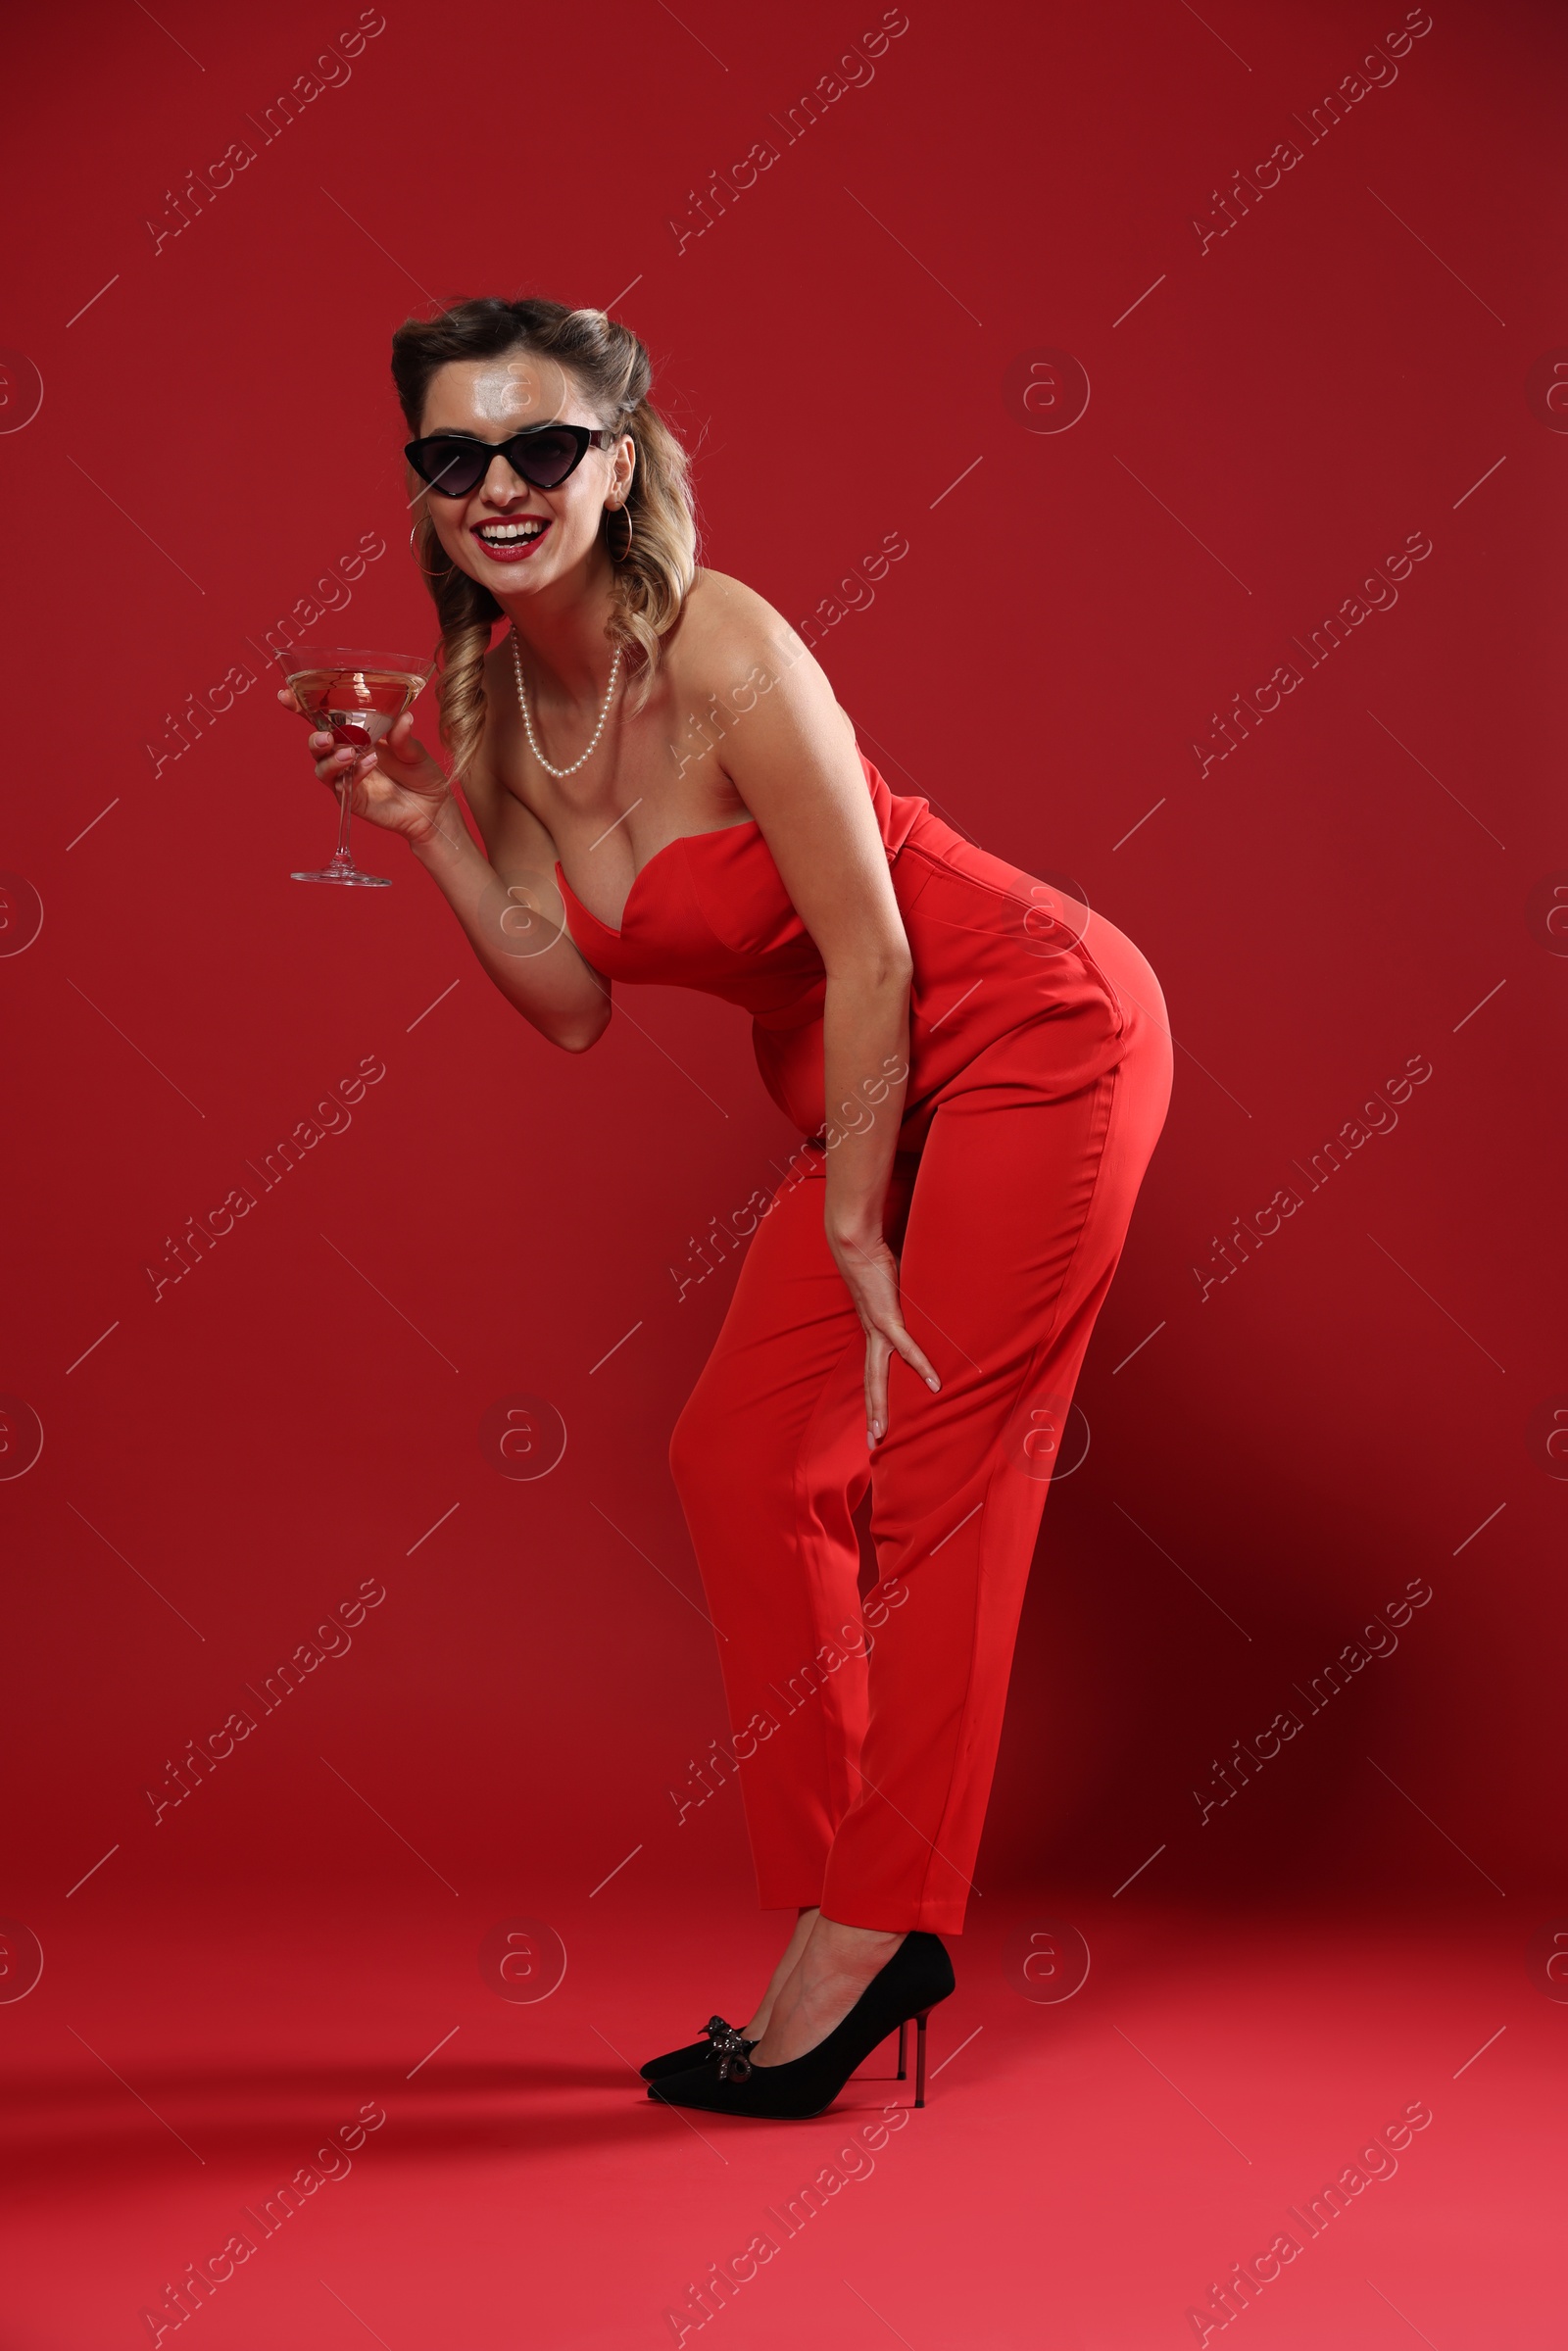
x=865, y=1777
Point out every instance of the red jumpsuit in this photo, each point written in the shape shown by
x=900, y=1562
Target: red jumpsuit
x=1040, y=1070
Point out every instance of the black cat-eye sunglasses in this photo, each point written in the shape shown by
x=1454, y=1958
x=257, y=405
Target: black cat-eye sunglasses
x=456, y=464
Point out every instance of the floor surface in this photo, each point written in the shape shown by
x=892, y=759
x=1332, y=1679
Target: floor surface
x=1092, y=2165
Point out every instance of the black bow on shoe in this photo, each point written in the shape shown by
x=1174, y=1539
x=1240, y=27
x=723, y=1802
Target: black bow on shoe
x=695, y=2053
x=731, y=2048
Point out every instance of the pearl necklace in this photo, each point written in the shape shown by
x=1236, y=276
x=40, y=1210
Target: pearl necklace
x=592, y=740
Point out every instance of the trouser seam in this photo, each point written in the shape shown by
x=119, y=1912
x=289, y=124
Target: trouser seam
x=1035, y=1353
x=833, y=1717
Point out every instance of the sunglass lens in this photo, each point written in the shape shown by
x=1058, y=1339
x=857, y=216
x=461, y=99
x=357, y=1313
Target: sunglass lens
x=454, y=467
x=548, y=456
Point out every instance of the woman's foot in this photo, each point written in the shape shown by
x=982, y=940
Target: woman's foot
x=836, y=1963
x=909, y=1983
x=781, y=1975
x=676, y=2060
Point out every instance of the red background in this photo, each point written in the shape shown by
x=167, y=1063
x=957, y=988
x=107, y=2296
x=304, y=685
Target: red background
x=1357, y=884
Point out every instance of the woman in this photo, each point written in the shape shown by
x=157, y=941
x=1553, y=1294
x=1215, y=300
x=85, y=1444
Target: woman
x=667, y=791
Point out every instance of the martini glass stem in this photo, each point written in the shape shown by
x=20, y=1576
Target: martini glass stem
x=345, y=815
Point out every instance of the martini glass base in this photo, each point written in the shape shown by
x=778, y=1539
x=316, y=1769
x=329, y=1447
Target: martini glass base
x=344, y=870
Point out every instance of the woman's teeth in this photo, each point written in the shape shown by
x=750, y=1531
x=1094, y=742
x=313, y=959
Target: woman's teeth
x=507, y=534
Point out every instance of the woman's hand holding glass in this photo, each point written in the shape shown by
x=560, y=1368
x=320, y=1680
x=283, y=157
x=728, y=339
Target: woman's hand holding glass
x=397, y=785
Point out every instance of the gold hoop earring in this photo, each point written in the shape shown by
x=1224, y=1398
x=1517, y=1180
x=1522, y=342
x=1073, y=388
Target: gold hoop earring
x=419, y=566
x=625, y=551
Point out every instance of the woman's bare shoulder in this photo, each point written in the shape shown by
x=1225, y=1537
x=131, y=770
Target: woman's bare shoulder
x=742, y=649
x=724, y=622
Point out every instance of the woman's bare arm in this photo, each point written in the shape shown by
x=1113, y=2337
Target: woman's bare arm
x=511, y=908
x=790, y=752
x=507, y=902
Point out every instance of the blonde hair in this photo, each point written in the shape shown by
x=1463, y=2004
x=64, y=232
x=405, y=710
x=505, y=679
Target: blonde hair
x=612, y=367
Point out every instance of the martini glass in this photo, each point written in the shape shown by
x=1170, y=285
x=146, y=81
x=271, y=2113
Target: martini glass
x=357, y=696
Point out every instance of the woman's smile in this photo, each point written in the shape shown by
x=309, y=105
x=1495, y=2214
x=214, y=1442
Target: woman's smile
x=511, y=539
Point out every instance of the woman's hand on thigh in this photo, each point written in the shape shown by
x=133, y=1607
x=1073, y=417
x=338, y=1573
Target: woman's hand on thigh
x=871, y=1274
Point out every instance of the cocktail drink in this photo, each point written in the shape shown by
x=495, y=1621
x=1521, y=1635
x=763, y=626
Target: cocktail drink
x=357, y=696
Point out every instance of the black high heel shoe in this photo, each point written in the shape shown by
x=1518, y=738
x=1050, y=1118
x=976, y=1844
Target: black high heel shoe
x=716, y=2033
x=918, y=1974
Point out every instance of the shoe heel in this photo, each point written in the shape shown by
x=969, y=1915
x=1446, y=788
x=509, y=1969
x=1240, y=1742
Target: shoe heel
x=903, y=2074
x=919, y=2055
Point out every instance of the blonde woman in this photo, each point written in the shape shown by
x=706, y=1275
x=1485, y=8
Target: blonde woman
x=979, y=1069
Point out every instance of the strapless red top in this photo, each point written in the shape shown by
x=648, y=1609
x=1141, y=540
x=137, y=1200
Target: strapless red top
x=993, y=948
